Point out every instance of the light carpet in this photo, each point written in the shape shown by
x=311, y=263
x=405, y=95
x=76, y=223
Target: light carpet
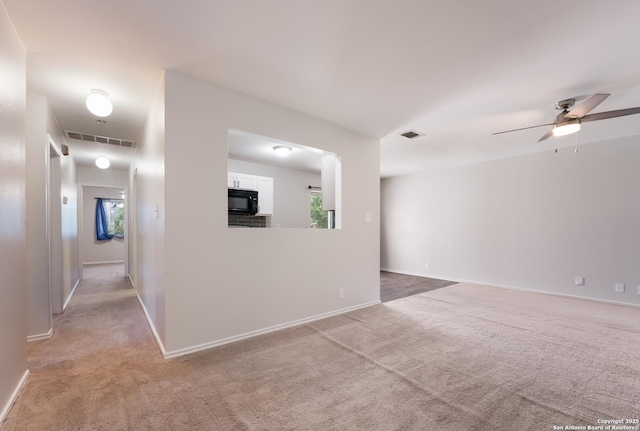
x=463, y=357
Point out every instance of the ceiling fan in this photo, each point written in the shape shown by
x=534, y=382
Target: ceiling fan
x=569, y=120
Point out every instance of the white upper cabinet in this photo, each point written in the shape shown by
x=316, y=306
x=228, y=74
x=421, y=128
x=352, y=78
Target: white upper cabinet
x=231, y=180
x=241, y=181
x=265, y=196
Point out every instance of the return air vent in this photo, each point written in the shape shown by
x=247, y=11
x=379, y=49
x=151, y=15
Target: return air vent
x=100, y=139
x=411, y=134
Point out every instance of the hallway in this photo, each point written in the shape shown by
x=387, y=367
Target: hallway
x=100, y=356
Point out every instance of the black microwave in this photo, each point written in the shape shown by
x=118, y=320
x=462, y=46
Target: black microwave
x=243, y=201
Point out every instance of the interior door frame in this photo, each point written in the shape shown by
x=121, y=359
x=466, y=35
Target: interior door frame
x=81, y=250
x=53, y=210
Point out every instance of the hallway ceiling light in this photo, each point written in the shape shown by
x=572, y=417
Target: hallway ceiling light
x=98, y=103
x=282, y=151
x=102, y=162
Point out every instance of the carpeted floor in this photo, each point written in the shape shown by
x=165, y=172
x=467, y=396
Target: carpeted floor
x=395, y=286
x=462, y=357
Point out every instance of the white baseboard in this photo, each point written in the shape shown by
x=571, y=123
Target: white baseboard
x=131, y=280
x=505, y=286
x=102, y=263
x=153, y=328
x=75, y=286
x=40, y=336
x=14, y=397
x=209, y=345
x=415, y=274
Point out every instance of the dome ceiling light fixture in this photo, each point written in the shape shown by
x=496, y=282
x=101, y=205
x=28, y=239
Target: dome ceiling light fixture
x=98, y=103
x=282, y=150
x=102, y=162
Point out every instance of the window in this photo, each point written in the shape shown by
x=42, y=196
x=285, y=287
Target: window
x=109, y=219
x=319, y=218
x=116, y=218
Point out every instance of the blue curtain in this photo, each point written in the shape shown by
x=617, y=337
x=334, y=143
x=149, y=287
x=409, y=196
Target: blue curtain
x=102, y=223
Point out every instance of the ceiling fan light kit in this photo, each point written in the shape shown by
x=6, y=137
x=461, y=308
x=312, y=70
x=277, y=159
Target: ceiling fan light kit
x=567, y=128
x=568, y=121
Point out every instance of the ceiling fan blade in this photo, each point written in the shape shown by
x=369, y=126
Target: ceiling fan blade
x=546, y=135
x=523, y=128
x=587, y=106
x=610, y=114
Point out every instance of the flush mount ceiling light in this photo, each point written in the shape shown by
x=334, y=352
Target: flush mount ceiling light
x=567, y=128
x=282, y=150
x=98, y=103
x=102, y=162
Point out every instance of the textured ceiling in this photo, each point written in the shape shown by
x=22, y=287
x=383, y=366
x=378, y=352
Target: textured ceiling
x=456, y=71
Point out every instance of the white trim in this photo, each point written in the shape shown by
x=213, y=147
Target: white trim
x=131, y=280
x=54, y=145
x=66, y=303
x=14, y=397
x=211, y=344
x=103, y=263
x=40, y=336
x=505, y=286
x=153, y=328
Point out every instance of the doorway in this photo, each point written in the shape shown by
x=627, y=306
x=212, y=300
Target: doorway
x=113, y=203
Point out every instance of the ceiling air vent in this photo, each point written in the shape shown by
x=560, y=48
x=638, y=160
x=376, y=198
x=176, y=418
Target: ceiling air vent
x=100, y=139
x=411, y=134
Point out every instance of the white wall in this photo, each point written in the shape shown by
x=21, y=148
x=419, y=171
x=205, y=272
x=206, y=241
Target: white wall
x=94, y=251
x=66, y=251
x=42, y=128
x=291, y=195
x=217, y=287
x=103, y=177
x=13, y=305
x=69, y=215
x=147, y=231
x=39, y=321
x=533, y=222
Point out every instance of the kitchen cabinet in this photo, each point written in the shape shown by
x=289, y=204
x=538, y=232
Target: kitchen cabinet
x=263, y=185
x=331, y=183
x=242, y=181
x=265, y=196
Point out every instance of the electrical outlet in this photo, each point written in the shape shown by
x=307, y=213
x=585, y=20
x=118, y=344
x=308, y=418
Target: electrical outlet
x=638, y=290
x=427, y=266
x=341, y=293
x=619, y=288
x=579, y=281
